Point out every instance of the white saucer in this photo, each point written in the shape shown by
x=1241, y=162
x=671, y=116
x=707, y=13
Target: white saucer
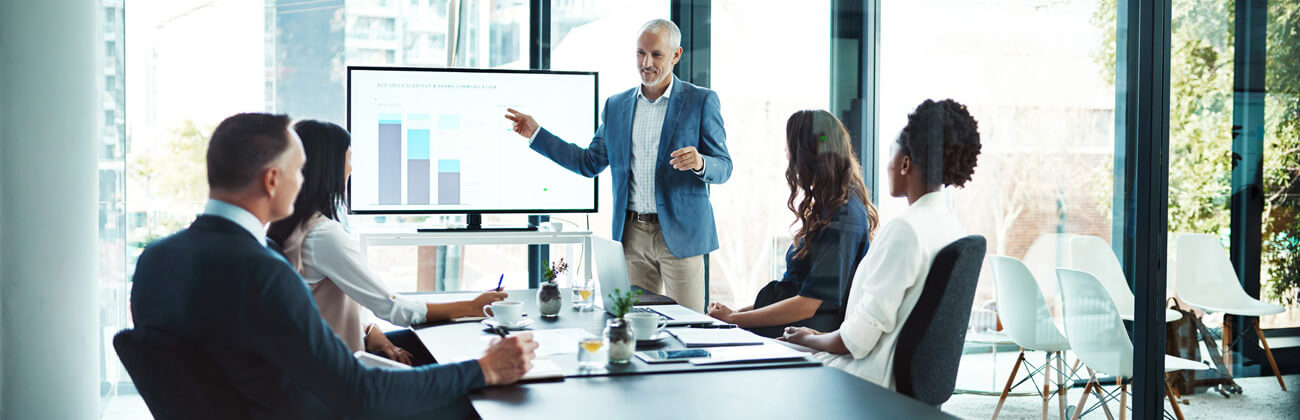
x=655, y=339
x=523, y=323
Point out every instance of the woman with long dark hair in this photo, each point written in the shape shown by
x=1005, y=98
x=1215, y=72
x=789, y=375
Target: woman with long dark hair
x=937, y=148
x=835, y=218
x=318, y=244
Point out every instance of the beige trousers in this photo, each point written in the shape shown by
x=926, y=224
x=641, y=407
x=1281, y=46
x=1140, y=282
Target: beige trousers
x=652, y=267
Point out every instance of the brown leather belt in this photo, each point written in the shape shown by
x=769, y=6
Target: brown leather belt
x=642, y=217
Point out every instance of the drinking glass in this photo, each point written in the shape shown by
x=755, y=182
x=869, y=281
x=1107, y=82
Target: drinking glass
x=589, y=352
x=584, y=294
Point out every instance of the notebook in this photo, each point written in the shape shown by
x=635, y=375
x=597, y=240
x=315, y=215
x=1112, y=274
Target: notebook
x=543, y=369
x=767, y=352
x=715, y=337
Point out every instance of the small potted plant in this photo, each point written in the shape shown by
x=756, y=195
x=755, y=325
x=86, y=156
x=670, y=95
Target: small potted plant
x=622, y=343
x=548, y=295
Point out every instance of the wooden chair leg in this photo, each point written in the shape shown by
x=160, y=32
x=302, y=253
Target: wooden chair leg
x=1269, y=352
x=1123, y=398
x=1047, y=384
x=1178, y=412
x=1010, y=380
x=1083, y=399
x=1101, y=396
x=1226, y=343
x=1060, y=385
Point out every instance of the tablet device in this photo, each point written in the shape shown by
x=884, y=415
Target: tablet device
x=671, y=356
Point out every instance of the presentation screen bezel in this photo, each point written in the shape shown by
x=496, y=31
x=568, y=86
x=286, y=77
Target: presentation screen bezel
x=595, y=124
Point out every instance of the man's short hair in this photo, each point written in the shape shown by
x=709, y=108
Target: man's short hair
x=656, y=25
x=244, y=145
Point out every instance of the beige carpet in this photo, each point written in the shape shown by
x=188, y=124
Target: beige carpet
x=1262, y=398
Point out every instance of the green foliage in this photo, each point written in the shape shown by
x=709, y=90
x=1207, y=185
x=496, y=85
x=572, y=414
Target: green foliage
x=165, y=178
x=554, y=270
x=176, y=172
x=621, y=303
x=1281, y=252
x=1200, y=132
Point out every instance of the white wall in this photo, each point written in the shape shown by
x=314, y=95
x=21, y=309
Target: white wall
x=49, y=126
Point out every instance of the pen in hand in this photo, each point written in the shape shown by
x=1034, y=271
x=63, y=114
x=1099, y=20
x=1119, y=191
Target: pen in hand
x=501, y=331
x=503, y=277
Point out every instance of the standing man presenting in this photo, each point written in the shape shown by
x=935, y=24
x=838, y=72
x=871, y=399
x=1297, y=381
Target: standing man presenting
x=664, y=142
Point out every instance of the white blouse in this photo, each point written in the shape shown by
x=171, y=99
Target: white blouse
x=888, y=283
x=328, y=251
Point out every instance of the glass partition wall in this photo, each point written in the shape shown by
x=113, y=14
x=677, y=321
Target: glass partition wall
x=1048, y=82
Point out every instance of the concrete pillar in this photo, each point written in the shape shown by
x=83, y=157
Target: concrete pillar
x=50, y=119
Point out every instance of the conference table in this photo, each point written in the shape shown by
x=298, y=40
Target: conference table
x=781, y=389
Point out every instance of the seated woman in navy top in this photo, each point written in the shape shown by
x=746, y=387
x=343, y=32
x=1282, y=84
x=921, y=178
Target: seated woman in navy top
x=829, y=201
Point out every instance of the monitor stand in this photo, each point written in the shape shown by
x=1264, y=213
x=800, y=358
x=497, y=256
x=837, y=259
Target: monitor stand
x=474, y=223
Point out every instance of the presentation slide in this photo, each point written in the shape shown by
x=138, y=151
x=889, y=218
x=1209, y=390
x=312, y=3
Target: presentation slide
x=437, y=141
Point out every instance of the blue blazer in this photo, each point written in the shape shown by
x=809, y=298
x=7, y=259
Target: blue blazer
x=693, y=119
x=241, y=304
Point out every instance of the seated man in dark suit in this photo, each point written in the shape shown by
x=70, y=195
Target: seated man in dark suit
x=218, y=287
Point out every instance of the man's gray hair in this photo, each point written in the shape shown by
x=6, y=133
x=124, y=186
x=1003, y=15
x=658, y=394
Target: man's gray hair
x=656, y=25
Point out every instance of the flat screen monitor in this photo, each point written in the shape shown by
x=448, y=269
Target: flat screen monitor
x=432, y=141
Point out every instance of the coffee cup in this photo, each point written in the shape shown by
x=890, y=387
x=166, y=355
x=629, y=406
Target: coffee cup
x=645, y=325
x=505, y=312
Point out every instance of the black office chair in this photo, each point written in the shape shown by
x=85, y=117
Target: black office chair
x=175, y=379
x=930, y=344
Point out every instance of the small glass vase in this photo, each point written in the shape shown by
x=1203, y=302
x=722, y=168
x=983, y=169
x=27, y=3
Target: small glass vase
x=622, y=343
x=549, y=300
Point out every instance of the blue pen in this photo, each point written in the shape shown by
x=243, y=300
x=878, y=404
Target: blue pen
x=503, y=277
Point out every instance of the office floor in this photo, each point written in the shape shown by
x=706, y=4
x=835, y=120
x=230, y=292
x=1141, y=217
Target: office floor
x=1262, y=397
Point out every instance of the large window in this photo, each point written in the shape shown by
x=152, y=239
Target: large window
x=1200, y=115
x=1202, y=105
x=1280, y=268
x=1038, y=77
x=598, y=36
x=762, y=76
x=277, y=56
x=112, y=197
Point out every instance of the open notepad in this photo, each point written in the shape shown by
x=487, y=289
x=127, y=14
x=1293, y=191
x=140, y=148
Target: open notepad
x=766, y=352
x=550, y=343
x=715, y=337
x=542, y=369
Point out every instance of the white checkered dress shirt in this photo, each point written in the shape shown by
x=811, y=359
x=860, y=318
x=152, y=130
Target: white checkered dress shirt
x=647, y=125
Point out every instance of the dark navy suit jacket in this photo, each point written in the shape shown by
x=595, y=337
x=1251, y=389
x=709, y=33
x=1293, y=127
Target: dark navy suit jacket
x=694, y=119
x=217, y=288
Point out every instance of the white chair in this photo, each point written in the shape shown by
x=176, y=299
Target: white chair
x=1095, y=256
x=1027, y=320
x=1207, y=281
x=1097, y=336
x=1048, y=251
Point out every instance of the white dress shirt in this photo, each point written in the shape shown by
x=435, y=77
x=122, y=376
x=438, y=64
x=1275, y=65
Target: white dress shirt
x=888, y=283
x=328, y=251
x=647, y=127
x=241, y=217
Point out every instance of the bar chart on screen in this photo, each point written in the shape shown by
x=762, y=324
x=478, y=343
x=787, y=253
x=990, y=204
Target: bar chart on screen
x=438, y=141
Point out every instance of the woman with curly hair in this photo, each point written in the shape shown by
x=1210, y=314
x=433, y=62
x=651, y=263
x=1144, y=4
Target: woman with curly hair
x=835, y=217
x=937, y=148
